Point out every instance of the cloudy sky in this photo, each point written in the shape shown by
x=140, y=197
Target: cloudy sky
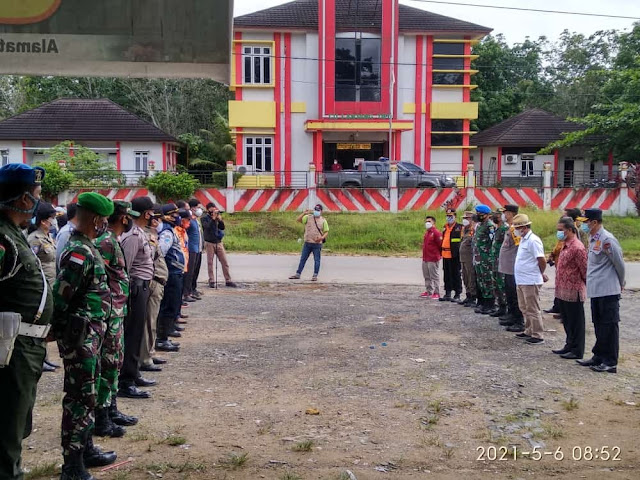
x=515, y=25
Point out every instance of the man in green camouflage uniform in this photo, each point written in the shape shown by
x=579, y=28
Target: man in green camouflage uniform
x=466, y=259
x=82, y=305
x=111, y=353
x=26, y=308
x=501, y=229
x=484, y=266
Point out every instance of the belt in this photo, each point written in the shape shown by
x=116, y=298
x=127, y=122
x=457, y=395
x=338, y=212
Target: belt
x=161, y=281
x=33, y=330
x=138, y=281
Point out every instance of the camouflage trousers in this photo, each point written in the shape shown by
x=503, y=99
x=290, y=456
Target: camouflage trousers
x=486, y=281
x=81, y=371
x=500, y=290
x=111, y=358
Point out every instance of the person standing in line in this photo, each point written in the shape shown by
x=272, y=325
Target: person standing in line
x=193, y=244
x=484, y=271
x=137, y=253
x=451, y=237
x=198, y=211
x=112, y=349
x=173, y=253
x=529, y=272
x=315, y=234
x=605, y=282
x=65, y=232
x=513, y=320
x=26, y=309
x=431, y=254
x=466, y=259
x=44, y=247
x=499, y=291
x=214, y=231
x=571, y=288
x=82, y=305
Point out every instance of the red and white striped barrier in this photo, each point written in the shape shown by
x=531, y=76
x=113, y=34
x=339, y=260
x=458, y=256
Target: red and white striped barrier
x=496, y=197
x=125, y=194
x=430, y=199
x=602, y=198
x=354, y=200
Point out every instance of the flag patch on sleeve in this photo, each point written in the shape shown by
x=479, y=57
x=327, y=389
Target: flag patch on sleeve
x=77, y=258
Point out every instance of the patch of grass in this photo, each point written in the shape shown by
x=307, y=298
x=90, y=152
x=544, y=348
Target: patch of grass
x=343, y=476
x=432, y=441
x=436, y=406
x=449, y=452
x=121, y=475
x=304, y=446
x=157, y=467
x=175, y=440
x=290, y=476
x=42, y=470
x=233, y=460
x=571, y=404
x=189, y=466
x=138, y=437
x=264, y=429
x=430, y=420
x=553, y=431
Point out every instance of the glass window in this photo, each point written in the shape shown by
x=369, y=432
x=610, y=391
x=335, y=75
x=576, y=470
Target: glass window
x=446, y=125
x=448, y=79
x=259, y=153
x=527, y=168
x=257, y=65
x=4, y=156
x=448, y=64
x=357, y=70
x=412, y=167
x=448, y=48
x=442, y=140
x=142, y=161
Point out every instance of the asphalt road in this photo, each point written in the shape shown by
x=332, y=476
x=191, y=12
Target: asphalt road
x=349, y=270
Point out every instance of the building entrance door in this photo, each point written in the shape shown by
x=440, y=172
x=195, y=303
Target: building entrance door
x=568, y=173
x=348, y=153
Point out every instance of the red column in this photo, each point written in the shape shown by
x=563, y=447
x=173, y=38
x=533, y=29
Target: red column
x=428, y=96
x=287, y=109
x=499, y=164
x=277, y=158
x=164, y=156
x=24, y=152
x=610, y=164
x=556, y=165
x=417, y=132
x=118, y=164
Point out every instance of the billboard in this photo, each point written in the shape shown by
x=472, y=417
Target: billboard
x=133, y=38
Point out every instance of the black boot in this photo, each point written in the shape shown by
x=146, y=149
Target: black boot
x=480, y=305
x=470, y=302
x=73, y=468
x=502, y=309
x=488, y=307
x=446, y=298
x=94, y=457
x=456, y=298
x=120, y=418
x=507, y=320
x=105, y=427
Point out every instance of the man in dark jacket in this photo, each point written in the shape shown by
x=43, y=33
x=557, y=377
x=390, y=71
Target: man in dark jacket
x=451, y=236
x=213, y=228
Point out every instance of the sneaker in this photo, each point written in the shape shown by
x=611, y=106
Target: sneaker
x=425, y=295
x=295, y=276
x=523, y=335
x=314, y=278
x=435, y=296
x=535, y=341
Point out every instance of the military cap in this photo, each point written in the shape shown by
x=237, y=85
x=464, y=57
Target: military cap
x=120, y=207
x=467, y=214
x=521, y=220
x=184, y=213
x=157, y=210
x=45, y=210
x=511, y=208
x=169, y=209
x=141, y=204
x=22, y=174
x=451, y=211
x=483, y=210
x=96, y=203
x=591, y=214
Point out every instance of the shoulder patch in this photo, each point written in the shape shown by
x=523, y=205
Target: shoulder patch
x=77, y=257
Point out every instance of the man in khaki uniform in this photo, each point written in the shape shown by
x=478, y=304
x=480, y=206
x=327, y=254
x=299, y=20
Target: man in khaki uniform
x=316, y=230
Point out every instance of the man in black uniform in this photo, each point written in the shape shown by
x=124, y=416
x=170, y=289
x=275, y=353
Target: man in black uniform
x=451, y=237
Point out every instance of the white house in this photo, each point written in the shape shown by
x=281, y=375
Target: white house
x=135, y=146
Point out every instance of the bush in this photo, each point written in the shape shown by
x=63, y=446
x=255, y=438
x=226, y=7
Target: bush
x=219, y=179
x=56, y=180
x=167, y=186
x=89, y=168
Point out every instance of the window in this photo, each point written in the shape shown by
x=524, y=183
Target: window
x=448, y=79
x=448, y=64
x=448, y=48
x=256, y=63
x=142, y=161
x=4, y=156
x=357, y=70
x=442, y=140
x=592, y=171
x=527, y=168
x=259, y=153
x=446, y=125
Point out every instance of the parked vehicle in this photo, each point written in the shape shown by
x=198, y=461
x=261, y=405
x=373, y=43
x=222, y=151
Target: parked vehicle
x=371, y=174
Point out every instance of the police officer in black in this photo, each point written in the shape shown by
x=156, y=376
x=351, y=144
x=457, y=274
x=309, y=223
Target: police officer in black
x=451, y=238
x=27, y=306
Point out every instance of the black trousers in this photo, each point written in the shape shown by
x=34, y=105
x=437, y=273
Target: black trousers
x=512, y=297
x=187, y=287
x=134, y=324
x=452, y=276
x=196, y=271
x=573, y=322
x=605, y=314
x=170, y=306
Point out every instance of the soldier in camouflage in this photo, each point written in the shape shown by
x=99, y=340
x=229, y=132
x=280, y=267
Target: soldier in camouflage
x=82, y=305
x=501, y=229
x=484, y=267
x=112, y=351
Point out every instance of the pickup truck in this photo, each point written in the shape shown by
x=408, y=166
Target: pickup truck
x=372, y=174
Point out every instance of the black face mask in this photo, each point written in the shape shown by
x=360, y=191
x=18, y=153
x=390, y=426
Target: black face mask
x=128, y=226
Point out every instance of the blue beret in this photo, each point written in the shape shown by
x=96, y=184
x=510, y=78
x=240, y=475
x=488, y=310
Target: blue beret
x=483, y=209
x=21, y=173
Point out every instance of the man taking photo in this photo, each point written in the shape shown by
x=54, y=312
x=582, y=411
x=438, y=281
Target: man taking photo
x=213, y=228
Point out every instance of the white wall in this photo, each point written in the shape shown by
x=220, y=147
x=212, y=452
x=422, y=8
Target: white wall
x=127, y=157
x=446, y=95
x=447, y=160
x=15, y=150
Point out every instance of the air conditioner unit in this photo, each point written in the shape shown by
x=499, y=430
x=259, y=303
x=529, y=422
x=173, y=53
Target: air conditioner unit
x=510, y=159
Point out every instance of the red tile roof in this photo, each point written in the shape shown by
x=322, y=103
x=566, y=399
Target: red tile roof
x=81, y=119
x=303, y=15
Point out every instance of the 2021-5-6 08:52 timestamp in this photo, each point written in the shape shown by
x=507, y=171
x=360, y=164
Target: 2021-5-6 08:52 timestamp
x=578, y=453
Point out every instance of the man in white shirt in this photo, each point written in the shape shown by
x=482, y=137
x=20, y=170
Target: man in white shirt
x=62, y=238
x=529, y=273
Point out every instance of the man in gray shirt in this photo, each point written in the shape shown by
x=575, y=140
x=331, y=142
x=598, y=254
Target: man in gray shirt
x=62, y=238
x=513, y=320
x=605, y=281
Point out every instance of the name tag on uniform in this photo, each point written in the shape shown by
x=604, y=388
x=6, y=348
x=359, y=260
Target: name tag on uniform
x=597, y=247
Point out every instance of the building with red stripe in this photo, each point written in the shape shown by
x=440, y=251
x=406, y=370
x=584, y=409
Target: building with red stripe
x=323, y=80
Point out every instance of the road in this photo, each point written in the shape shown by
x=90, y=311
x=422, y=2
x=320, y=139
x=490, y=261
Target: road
x=349, y=270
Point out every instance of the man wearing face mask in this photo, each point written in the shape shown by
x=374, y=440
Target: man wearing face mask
x=82, y=303
x=466, y=259
x=484, y=268
x=451, y=236
x=138, y=255
x=196, y=245
x=213, y=229
x=513, y=319
x=605, y=281
x=501, y=229
x=27, y=307
x=112, y=351
x=316, y=230
x=431, y=254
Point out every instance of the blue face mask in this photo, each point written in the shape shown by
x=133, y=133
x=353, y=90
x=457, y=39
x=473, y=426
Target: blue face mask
x=585, y=228
x=451, y=220
x=317, y=213
x=561, y=235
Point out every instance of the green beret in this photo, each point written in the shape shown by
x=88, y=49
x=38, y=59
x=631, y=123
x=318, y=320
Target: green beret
x=124, y=208
x=96, y=203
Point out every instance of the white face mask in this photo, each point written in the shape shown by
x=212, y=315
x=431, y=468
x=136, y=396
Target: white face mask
x=159, y=227
x=517, y=233
x=465, y=222
x=428, y=225
x=504, y=218
x=199, y=212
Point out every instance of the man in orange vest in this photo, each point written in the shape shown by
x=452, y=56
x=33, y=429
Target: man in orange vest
x=451, y=237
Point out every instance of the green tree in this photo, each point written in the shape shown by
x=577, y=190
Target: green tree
x=168, y=186
x=56, y=179
x=210, y=149
x=87, y=167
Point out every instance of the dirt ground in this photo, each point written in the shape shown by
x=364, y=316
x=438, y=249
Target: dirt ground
x=405, y=388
